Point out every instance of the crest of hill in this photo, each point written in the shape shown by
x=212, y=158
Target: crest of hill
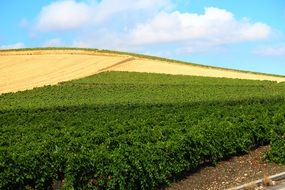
x=22, y=69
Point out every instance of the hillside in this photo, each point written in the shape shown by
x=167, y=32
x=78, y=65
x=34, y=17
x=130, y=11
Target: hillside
x=122, y=130
x=29, y=68
x=113, y=122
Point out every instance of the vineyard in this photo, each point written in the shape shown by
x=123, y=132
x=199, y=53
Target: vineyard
x=120, y=130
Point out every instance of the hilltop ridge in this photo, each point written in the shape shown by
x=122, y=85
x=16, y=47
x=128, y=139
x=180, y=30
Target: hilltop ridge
x=23, y=69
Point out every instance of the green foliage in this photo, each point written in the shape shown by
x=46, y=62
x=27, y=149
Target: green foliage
x=277, y=152
x=132, y=131
x=112, y=88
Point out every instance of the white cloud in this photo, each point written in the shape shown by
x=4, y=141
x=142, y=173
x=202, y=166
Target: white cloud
x=70, y=14
x=277, y=50
x=140, y=24
x=13, y=46
x=55, y=42
x=108, y=8
x=215, y=26
x=64, y=15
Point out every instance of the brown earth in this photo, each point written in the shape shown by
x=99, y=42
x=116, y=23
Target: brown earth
x=231, y=173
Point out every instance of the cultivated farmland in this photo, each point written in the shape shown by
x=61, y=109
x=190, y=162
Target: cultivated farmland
x=126, y=130
x=22, y=70
x=26, y=69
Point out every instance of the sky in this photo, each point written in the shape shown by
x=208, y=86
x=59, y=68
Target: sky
x=239, y=34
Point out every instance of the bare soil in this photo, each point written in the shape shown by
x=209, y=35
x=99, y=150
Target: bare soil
x=231, y=173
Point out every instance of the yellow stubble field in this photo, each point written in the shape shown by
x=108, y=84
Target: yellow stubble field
x=22, y=70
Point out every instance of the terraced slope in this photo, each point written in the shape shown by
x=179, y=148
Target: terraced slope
x=26, y=69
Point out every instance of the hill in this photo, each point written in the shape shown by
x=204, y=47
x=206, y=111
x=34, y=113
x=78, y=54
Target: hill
x=29, y=68
x=122, y=130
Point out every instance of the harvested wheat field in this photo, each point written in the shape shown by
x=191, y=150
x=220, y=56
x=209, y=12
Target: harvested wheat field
x=146, y=65
x=26, y=69
x=23, y=70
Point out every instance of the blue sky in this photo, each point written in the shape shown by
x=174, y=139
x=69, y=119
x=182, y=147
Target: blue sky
x=243, y=34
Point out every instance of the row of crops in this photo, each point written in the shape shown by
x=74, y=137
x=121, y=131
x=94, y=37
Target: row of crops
x=133, y=131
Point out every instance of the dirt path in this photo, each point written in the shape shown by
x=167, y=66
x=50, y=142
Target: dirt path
x=230, y=173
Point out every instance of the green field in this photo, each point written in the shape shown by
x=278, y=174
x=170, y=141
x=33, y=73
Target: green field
x=119, y=130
